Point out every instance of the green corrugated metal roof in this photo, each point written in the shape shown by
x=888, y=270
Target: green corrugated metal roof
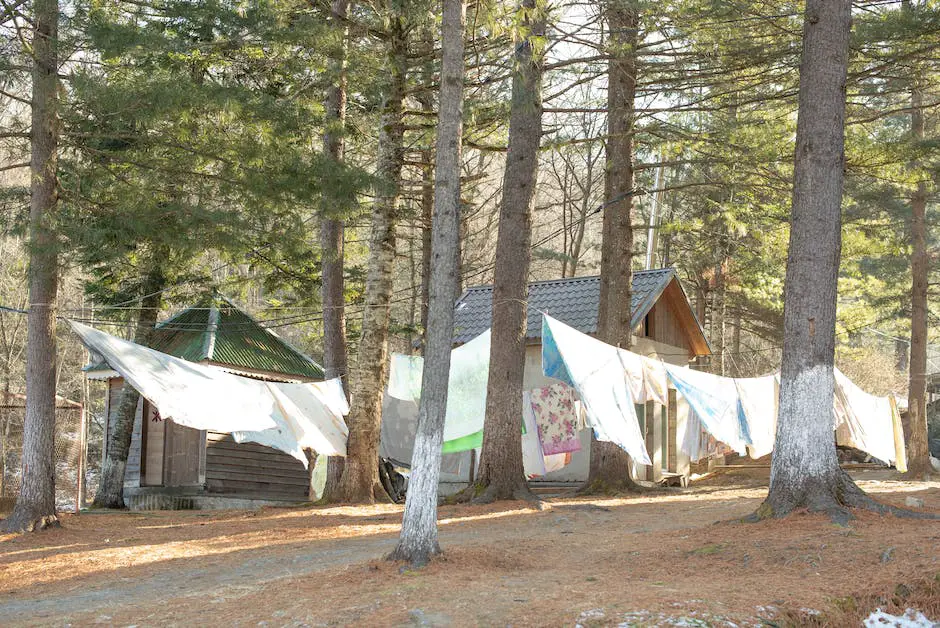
x=216, y=330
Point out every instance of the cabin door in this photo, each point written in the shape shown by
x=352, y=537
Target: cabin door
x=184, y=453
x=153, y=431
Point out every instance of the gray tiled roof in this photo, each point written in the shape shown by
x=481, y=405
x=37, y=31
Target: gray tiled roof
x=572, y=301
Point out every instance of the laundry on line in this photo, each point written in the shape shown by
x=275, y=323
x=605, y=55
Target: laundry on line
x=286, y=416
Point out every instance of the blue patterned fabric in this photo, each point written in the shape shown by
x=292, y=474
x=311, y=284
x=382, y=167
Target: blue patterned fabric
x=597, y=371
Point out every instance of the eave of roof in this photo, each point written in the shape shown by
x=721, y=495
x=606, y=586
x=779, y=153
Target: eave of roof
x=575, y=301
x=216, y=330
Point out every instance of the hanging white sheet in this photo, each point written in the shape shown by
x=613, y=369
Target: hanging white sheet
x=288, y=417
x=466, y=388
x=598, y=372
x=194, y=395
x=533, y=458
x=693, y=438
x=308, y=416
x=404, y=376
x=758, y=398
x=870, y=421
x=715, y=400
x=655, y=382
x=556, y=462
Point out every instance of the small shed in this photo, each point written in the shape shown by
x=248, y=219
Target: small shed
x=172, y=466
x=665, y=327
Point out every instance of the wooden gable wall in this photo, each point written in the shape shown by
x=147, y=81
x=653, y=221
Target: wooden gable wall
x=671, y=322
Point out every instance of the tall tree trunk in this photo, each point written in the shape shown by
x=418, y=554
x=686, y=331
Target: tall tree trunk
x=418, y=540
x=918, y=453
x=111, y=488
x=667, y=239
x=35, y=505
x=426, y=99
x=623, y=24
x=501, y=473
x=701, y=300
x=360, y=479
x=718, y=327
x=332, y=226
x=610, y=466
x=332, y=234
x=427, y=208
x=805, y=472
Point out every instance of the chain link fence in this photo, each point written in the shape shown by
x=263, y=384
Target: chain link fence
x=73, y=477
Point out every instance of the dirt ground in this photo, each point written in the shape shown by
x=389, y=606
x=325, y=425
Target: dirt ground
x=665, y=559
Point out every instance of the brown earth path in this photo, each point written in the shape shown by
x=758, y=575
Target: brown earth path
x=647, y=560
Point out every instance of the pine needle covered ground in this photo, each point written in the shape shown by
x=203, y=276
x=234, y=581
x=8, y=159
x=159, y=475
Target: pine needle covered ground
x=648, y=560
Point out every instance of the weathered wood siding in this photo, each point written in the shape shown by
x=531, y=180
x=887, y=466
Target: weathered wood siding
x=153, y=460
x=250, y=470
x=666, y=327
x=183, y=454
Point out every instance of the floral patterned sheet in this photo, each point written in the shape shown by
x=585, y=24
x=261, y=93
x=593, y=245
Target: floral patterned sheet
x=556, y=415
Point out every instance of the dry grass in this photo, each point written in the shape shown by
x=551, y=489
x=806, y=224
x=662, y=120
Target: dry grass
x=646, y=559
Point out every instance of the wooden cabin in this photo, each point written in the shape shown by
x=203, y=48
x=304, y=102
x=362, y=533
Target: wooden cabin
x=665, y=326
x=172, y=466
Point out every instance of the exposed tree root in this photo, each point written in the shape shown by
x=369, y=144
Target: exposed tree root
x=919, y=475
x=837, y=502
x=415, y=557
x=481, y=493
x=607, y=488
x=108, y=504
x=464, y=496
x=20, y=523
x=380, y=495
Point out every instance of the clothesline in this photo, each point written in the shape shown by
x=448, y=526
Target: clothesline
x=288, y=417
x=741, y=412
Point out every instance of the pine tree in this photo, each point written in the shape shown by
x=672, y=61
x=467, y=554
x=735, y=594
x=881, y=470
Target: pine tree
x=332, y=229
x=918, y=453
x=360, y=482
x=176, y=153
x=501, y=473
x=418, y=541
x=804, y=470
x=35, y=505
x=610, y=465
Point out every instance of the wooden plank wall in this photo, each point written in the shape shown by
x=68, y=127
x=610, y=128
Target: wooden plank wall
x=182, y=455
x=153, y=463
x=666, y=327
x=252, y=470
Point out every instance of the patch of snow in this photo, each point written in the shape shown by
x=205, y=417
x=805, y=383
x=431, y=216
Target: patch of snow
x=593, y=614
x=910, y=619
x=646, y=618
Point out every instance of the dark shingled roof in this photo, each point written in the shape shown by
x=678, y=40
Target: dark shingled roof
x=572, y=301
